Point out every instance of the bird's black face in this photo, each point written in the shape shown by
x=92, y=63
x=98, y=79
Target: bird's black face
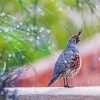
x=73, y=40
x=77, y=39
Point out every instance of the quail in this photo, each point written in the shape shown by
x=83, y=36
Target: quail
x=68, y=63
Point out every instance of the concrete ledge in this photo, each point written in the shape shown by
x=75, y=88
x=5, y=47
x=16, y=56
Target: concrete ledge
x=57, y=93
x=58, y=97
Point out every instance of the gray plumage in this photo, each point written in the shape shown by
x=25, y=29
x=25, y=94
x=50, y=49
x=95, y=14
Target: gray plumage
x=66, y=60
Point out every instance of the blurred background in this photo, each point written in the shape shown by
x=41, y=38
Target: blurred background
x=34, y=32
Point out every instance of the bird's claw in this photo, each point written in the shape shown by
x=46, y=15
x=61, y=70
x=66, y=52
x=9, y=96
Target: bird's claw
x=68, y=86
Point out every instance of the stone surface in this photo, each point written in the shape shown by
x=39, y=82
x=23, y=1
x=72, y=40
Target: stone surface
x=56, y=93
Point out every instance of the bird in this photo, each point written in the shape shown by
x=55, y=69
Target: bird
x=69, y=62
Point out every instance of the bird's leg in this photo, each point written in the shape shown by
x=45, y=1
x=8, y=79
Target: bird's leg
x=66, y=83
x=64, y=79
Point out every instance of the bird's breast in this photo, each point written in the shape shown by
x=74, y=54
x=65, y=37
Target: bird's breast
x=76, y=62
x=75, y=66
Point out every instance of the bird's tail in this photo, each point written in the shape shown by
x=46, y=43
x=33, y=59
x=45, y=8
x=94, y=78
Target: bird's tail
x=52, y=80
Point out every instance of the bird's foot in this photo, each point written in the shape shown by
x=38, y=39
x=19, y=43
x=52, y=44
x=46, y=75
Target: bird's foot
x=68, y=86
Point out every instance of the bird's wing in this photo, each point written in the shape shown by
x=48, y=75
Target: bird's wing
x=63, y=62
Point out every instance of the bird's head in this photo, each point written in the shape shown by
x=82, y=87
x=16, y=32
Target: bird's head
x=74, y=39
